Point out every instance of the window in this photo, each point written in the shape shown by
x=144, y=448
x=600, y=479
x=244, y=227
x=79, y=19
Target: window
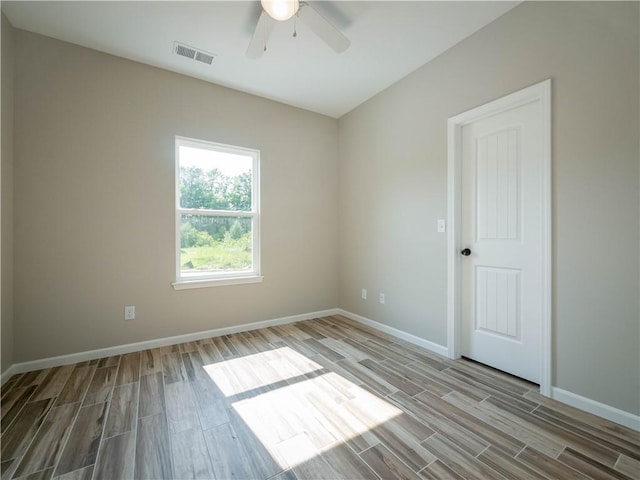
x=217, y=214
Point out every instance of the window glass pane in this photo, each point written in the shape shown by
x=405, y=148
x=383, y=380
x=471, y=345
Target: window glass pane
x=215, y=244
x=214, y=180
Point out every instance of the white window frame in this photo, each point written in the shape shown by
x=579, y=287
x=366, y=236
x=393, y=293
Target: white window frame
x=228, y=278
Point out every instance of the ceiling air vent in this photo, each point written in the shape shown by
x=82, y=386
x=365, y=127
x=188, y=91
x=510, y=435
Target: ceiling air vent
x=193, y=53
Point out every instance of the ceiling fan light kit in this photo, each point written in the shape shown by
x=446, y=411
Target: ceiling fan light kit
x=274, y=11
x=280, y=9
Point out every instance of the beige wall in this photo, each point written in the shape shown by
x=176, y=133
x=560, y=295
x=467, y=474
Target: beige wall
x=94, y=201
x=393, y=160
x=6, y=124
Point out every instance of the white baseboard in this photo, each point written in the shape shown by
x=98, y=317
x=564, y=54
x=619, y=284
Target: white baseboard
x=421, y=342
x=602, y=410
x=155, y=343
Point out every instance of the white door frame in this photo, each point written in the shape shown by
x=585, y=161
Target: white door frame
x=539, y=92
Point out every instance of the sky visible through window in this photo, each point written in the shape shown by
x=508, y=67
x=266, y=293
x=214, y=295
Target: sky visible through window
x=229, y=164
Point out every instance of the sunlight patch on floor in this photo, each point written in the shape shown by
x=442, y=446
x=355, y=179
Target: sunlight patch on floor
x=295, y=417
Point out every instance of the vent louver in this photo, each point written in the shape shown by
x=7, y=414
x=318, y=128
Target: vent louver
x=193, y=53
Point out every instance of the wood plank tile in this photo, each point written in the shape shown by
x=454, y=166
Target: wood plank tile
x=230, y=346
x=153, y=454
x=439, y=471
x=9, y=384
x=352, y=326
x=297, y=345
x=81, y=449
x=419, y=379
x=514, y=384
x=323, y=350
x=508, y=466
x=52, y=383
x=116, y=457
x=459, y=460
x=229, y=457
x=101, y=386
x=83, y=474
x=241, y=344
x=262, y=462
x=180, y=407
x=76, y=386
x=221, y=347
x=602, y=424
x=151, y=395
x=590, y=467
x=187, y=347
x=493, y=390
x=309, y=329
x=150, y=361
x=305, y=460
x=41, y=475
x=190, y=455
x=342, y=423
x=8, y=467
x=281, y=397
x=386, y=464
x=347, y=464
x=353, y=352
x=211, y=404
x=167, y=349
x=112, y=361
x=627, y=466
x=19, y=435
x=86, y=363
x=13, y=403
x=173, y=368
x=587, y=430
x=487, y=432
x=47, y=445
x=402, y=433
x=414, y=354
x=129, y=370
x=452, y=432
x=510, y=425
x=447, y=381
x=393, y=378
x=209, y=353
x=122, y=412
x=368, y=377
x=550, y=467
x=597, y=451
x=32, y=378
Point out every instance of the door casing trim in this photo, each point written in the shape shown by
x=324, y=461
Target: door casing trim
x=540, y=92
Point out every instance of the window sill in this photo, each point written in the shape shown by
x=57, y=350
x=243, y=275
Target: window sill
x=217, y=282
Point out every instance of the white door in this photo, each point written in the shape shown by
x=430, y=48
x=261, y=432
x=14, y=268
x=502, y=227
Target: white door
x=503, y=228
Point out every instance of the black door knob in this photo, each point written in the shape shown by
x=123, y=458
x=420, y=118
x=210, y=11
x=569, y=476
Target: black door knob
x=466, y=252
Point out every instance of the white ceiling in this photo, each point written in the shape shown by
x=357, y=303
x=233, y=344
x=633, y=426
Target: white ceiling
x=388, y=41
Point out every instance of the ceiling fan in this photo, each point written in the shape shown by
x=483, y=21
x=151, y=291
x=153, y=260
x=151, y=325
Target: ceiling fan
x=274, y=11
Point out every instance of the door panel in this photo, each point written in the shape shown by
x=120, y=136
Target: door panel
x=502, y=224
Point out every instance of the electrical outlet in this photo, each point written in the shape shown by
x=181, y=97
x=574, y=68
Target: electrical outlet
x=129, y=313
x=364, y=293
x=382, y=298
x=442, y=226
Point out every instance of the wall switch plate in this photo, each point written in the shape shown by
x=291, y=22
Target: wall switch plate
x=442, y=226
x=364, y=293
x=382, y=298
x=129, y=313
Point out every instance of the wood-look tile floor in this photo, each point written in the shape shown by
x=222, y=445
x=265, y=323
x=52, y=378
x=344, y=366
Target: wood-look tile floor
x=321, y=399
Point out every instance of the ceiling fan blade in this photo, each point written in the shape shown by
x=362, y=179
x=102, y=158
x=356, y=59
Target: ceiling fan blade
x=323, y=29
x=260, y=35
